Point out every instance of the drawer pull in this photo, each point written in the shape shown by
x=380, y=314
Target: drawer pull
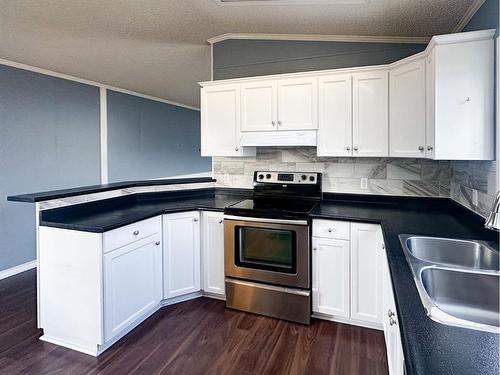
x=392, y=322
x=157, y=243
x=195, y=220
x=221, y=221
x=136, y=232
x=330, y=230
x=390, y=313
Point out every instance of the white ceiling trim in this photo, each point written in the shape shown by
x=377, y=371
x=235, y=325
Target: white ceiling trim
x=474, y=7
x=68, y=77
x=323, y=38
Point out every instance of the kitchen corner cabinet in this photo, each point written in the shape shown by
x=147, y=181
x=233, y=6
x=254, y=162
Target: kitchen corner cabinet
x=220, y=122
x=366, y=272
x=370, y=114
x=212, y=247
x=395, y=356
x=407, y=110
x=181, y=254
x=460, y=97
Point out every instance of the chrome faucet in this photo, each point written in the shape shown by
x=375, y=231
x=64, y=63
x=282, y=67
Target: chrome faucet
x=493, y=221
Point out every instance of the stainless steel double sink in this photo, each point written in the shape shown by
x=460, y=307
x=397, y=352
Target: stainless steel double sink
x=457, y=280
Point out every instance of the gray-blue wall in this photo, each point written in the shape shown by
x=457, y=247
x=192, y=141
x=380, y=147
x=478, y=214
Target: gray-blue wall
x=150, y=139
x=245, y=58
x=49, y=139
x=487, y=17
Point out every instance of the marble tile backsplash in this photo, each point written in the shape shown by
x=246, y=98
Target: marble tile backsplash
x=477, y=175
x=405, y=177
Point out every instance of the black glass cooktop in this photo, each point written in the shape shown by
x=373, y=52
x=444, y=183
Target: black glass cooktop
x=273, y=208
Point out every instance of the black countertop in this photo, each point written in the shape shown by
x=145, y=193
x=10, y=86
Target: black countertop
x=429, y=347
x=63, y=193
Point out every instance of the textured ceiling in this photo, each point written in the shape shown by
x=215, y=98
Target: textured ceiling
x=158, y=47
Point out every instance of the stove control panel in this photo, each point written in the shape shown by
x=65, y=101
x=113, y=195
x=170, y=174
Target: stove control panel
x=309, y=178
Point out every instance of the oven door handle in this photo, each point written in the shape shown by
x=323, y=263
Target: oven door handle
x=299, y=292
x=264, y=220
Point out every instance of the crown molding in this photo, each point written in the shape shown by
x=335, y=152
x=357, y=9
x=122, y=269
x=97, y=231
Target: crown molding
x=68, y=77
x=474, y=7
x=322, y=38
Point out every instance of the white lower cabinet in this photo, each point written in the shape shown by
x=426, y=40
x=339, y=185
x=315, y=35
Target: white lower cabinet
x=181, y=254
x=395, y=357
x=132, y=284
x=346, y=272
x=366, y=276
x=212, y=234
x=330, y=282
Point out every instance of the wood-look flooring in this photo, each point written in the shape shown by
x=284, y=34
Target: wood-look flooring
x=195, y=337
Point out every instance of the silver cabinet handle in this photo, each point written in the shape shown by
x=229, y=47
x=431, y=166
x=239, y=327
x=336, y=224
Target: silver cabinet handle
x=195, y=219
x=330, y=230
x=315, y=248
x=273, y=122
x=236, y=149
x=392, y=322
x=221, y=221
x=157, y=243
x=429, y=148
x=348, y=148
x=421, y=148
x=136, y=232
x=390, y=313
x=355, y=148
x=279, y=123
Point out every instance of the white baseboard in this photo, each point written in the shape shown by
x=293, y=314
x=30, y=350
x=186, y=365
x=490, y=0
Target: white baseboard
x=354, y=322
x=17, y=269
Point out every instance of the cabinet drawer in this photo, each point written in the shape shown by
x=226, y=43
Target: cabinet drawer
x=130, y=233
x=331, y=229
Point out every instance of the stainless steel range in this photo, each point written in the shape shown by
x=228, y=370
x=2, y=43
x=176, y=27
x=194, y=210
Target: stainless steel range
x=266, y=246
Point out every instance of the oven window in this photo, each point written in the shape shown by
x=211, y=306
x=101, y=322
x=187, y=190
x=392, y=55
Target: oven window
x=267, y=249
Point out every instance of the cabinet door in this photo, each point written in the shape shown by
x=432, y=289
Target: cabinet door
x=213, y=252
x=407, y=110
x=258, y=106
x=330, y=275
x=395, y=358
x=181, y=254
x=370, y=114
x=220, y=121
x=298, y=103
x=335, y=115
x=132, y=284
x=366, y=274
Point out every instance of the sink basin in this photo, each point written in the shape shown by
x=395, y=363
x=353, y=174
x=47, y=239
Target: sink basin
x=457, y=280
x=462, y=253
x=469, y=296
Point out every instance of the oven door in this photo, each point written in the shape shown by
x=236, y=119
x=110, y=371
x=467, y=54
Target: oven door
x=267, y=250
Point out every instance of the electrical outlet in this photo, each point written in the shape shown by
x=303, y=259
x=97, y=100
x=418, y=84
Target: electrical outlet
x=474, y=197
x=364, y=183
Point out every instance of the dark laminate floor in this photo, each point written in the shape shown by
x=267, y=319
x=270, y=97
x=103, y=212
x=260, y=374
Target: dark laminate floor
x=195, y=337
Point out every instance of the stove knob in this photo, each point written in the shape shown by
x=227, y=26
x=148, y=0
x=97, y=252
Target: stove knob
x=303, y=177
x=261, y=176
x=311, y=178
x=268, y=175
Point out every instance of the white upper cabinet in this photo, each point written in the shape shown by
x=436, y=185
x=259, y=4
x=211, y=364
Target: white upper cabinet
x=407, y=110
x=366, y=275
x=370, y=113
x=259, y=106
x=298, y=103
x=220, y=122
x=181, y=254
x=335, y=115
x=460, y=88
